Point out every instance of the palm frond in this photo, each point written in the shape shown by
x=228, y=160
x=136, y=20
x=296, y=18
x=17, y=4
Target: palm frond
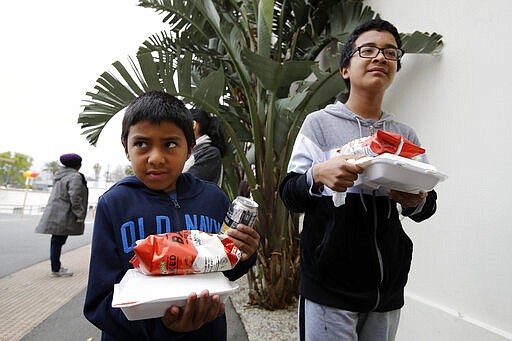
x=418, y=42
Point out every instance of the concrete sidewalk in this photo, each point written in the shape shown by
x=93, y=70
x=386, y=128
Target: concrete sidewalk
x=36, y=306
x=31, y=295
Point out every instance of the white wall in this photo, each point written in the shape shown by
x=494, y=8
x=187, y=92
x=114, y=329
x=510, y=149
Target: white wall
x=460, y=104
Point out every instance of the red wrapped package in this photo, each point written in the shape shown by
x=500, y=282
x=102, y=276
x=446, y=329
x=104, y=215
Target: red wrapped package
x=184, y=252
x=382, y=142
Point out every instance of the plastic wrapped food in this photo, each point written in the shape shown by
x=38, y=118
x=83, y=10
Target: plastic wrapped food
x=184, y=252
x=382, y=142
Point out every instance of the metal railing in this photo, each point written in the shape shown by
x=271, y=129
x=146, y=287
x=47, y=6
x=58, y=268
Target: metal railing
x=18, y=209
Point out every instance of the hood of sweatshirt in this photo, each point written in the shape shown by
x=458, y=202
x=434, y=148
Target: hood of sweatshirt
x=186, y=186
x=325, y=131
x=63, y=172
x=339, y=110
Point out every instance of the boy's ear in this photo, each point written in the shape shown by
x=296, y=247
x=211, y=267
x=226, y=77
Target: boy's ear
x=344, y=72
x=126, y=151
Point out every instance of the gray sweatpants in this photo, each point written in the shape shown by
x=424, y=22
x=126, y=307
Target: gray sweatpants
x=319, y=322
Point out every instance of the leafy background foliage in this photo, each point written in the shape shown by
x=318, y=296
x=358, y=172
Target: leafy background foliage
x=260, y=67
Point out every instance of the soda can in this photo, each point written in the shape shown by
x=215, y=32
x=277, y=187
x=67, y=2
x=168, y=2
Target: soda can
x=242, y=211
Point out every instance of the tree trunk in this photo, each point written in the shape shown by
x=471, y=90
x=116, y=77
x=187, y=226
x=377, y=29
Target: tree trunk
x=274, y=280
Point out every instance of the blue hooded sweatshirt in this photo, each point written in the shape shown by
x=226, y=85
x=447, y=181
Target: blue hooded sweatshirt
x=130, y=211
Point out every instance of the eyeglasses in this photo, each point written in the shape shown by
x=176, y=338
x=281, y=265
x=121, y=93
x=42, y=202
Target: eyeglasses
x=390, y=53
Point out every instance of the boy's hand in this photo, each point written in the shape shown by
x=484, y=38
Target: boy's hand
x=407, y=199
x=246, y=240
x=336, y=173
x=194, y=314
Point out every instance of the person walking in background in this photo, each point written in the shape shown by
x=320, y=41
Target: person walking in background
x=355, y=258
x=65, y=212
x=206, y=159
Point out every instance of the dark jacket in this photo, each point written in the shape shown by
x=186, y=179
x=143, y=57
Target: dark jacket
x=130, y=211
x=205, y=161
x=354, y=257
x=357, y=256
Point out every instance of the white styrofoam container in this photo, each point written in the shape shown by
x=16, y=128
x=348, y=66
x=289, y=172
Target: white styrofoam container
x=399, y=173
x=142, y=297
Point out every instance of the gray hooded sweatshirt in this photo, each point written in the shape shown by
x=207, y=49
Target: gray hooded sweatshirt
x=325, y=131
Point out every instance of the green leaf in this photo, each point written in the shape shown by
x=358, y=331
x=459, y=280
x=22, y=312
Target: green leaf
x=265, y=14
x=151, y=78
x=286, y=109
x=300, y=9
x=290, y=104
x=184, y=71
x=418, y=42
x=123, y=92
x=212, y=12
x=273, y=74
x=167, y=72
x=346, y=15
x=237, y=123
x=211, y=88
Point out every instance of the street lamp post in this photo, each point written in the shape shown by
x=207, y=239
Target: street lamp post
x=29, y=180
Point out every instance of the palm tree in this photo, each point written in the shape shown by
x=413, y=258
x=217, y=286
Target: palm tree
x=255, y=65
x=50, y=168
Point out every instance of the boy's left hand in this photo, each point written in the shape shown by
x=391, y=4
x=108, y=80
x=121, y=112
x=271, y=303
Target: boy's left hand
x=195, y=313
x=246, y=240
x=407, y=199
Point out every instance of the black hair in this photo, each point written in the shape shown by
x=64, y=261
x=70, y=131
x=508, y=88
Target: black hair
x=211, y=126
x=373, y=25
x=157, y=107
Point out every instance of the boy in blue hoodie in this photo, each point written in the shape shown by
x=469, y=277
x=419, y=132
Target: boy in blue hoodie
x=158, y=138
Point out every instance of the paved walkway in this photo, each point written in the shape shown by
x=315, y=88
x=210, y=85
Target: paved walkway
x=30, y=296
x=38, y=307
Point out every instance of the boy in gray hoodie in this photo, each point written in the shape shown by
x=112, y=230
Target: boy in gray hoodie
x=354, y=258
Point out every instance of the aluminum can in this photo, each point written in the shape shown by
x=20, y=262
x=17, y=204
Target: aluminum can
x=242, y=211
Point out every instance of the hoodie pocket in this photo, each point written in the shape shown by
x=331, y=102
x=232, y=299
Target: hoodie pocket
x=346, y=252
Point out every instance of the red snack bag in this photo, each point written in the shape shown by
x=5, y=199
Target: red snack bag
x=184, y=252
x=382, y=142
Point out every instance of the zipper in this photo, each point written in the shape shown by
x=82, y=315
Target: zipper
x=379, y=255
x=175, y=203
x=174, y=199
x=175, y=216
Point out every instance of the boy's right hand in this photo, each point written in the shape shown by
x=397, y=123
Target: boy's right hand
x=195, y=313
x=336, y=173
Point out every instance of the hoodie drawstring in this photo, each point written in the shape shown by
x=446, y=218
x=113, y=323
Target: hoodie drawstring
x=360, y=128
x=374, y=194
x=360, y=136
x=362, y=201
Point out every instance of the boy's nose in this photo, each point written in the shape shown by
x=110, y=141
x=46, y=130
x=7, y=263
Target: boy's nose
x=156, y=157
x=380, y=55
